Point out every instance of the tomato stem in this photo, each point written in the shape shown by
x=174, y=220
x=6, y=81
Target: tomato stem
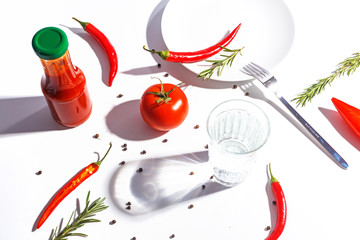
x=163, y=96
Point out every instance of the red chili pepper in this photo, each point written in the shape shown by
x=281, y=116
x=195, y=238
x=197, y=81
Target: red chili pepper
x=190, y=57
x=281, y=208
x=69, y=187
x=105, y=43
x=349, y=113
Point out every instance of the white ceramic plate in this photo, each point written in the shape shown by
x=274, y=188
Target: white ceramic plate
x=267, y=31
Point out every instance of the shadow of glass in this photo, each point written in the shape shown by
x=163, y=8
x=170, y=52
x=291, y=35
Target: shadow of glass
x=125, y=121
x=142, y=187
x=341, y=127
x=26, y=114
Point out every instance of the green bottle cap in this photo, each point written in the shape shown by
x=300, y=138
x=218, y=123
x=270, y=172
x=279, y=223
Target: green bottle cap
x=50, y=43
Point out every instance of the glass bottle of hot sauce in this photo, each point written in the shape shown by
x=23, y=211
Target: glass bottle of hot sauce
x=63, y=84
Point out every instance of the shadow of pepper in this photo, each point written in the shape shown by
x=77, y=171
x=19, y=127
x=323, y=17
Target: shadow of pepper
x=341, y=127
x=177, y=70
x=125, y=121
x=145, y=186
x=257, y=91
x=271, y=201
x=98, y=50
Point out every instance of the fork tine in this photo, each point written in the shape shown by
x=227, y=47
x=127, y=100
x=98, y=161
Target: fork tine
x=259, y=67
x=254, y=72
x=248, y=71
x=270, y=82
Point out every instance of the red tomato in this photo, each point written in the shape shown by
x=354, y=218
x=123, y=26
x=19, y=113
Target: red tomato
x=164, y=113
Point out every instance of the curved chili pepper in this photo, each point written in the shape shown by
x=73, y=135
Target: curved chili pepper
x=105, y=43
x=281, y=208
x=69, y=187
x=349, y=113
x=191, y=57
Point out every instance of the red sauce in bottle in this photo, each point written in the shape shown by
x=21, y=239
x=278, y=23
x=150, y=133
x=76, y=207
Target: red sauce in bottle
x=63, y=84
x=64, y=87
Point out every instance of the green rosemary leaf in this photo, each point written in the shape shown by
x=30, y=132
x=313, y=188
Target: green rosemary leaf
x=90, y=220
x=213, y=61
x=347, y=66
x=78, y=235
x=218, y=65
x=222, y=68
x=206, y=72
x=83, y=218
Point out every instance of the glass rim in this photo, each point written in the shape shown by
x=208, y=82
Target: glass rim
x=262, y=113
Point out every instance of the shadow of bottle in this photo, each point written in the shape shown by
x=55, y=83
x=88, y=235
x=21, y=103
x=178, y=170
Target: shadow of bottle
x=25, y=115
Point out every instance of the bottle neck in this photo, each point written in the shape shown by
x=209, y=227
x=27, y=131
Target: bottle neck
x=59, y=66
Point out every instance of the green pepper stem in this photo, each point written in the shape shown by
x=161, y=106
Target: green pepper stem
x=152, y=51
x=273, y=179
x=163, y=54
x=99, y=162
x=83, y=24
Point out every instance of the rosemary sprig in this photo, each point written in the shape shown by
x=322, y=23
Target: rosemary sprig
x=218, y=65
x=348, y=66
x=84, y=217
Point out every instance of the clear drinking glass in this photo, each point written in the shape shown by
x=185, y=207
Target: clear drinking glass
x=237, y=129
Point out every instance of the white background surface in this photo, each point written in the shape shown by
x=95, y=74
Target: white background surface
x=323, y=200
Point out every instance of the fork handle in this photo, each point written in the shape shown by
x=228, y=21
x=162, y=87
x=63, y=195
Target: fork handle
x=338, y=159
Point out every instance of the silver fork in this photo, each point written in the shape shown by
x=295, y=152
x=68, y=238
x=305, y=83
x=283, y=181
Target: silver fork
x=269, y=81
